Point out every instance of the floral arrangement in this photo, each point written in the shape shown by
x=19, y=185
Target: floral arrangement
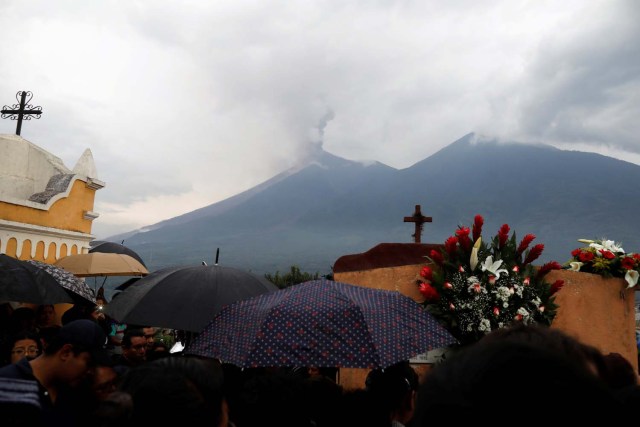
x=473, y=287
x=607, y=258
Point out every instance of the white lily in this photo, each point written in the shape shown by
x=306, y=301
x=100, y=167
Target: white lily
x=632, y=278
x=607, y=245
x=493, y=267
x=586, y=241
x=473, y=261
x=575, y=265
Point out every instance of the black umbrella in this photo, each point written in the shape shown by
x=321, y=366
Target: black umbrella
x=185, y=298
x=33, y=282
x=127, y=283
x=114, y=248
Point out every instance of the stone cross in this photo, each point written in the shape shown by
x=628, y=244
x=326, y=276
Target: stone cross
x=21, y=110
x=418, y=219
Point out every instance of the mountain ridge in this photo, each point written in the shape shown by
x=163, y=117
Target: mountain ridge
x=329, y=207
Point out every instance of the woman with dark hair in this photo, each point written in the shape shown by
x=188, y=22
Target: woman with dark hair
x=24, y=344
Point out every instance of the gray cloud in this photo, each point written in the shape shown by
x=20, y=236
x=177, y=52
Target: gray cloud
x=186, y=103
x=584, y=88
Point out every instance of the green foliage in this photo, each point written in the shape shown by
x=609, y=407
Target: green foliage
x=291, y=278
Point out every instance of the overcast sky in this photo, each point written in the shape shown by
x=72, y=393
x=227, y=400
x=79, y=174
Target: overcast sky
x=186, y=103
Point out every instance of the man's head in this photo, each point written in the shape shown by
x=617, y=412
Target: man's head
x=76, y=349
x=45, y=315
x=103, y=382
x=149, y=335
x=84, y=336
x=394, y=388
x=134, y=346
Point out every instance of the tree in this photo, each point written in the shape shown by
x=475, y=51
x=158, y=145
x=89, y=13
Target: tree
x=291, y=278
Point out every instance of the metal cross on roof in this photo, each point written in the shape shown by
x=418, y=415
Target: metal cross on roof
x=418, y=219
x=21, y=110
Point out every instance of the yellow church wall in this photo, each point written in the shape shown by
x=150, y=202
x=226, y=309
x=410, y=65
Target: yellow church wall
x=66, y=213
x=12, y=246
x=27, y=246
x=39, y=251
x=26, y=250
x=60, y=228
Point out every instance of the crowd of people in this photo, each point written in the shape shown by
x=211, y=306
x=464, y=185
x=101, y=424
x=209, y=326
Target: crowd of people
x=91, y=370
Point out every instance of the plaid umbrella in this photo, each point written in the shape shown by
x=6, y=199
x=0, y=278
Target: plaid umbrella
x=321, y=323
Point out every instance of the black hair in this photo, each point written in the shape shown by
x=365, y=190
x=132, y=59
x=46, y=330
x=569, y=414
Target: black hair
x=390, y=387
x=24, y=335
x=187, y=389
x=513, y=378
x=130, y=333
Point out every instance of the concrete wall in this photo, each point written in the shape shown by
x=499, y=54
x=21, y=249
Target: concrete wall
x=598, y=311
x=595, y=310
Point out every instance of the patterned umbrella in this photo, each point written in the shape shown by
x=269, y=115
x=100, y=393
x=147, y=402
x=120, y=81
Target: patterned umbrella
x=26, y=281
x=67, y=280
x=321, y=323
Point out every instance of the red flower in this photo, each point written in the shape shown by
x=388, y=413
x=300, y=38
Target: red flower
x=557, y=285
x=496, y=311
x=586, y=256
x=576, y=252
x=607, y=254
x=463, y=237
x=524, y=244
x=636, y=257
x=533, y=254
x=478, y=221
x=503, y=235
x=628, y=263
x=436, y=257
x=429, y=292
x=451, y=245
x=448, y=285
x=426, y=272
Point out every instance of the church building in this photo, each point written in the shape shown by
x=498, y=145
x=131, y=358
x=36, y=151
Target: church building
x=46, y=209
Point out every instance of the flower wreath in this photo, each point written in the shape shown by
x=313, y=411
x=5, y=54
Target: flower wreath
x=473, y=288
x=607, y=258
